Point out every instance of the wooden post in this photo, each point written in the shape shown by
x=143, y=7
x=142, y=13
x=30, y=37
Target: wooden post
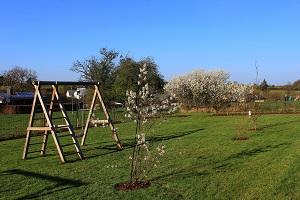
x=30, y=124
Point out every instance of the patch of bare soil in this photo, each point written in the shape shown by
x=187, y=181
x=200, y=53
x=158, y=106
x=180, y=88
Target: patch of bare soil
x=128, y=186
x=240, y=138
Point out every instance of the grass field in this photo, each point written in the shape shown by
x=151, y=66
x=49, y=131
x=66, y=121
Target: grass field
x=201, y=162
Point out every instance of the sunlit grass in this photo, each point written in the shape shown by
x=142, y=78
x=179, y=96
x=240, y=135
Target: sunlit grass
x=201, y=162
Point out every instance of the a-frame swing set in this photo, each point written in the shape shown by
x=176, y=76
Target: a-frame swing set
x=56, y=104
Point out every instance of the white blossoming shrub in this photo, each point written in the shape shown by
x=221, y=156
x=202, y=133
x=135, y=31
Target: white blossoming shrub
x=239, y=92
x=207, y=89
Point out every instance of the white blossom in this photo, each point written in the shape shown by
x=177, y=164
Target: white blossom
x=139, y=107
x=202, y=88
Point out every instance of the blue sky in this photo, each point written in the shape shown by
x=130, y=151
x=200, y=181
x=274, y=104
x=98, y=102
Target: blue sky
x=181, y=36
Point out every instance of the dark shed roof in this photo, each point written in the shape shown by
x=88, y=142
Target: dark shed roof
x=18, y=95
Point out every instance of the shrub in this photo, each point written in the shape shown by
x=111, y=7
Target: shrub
x=207, y=89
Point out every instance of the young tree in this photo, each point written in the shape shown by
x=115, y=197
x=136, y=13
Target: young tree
x=264, y=87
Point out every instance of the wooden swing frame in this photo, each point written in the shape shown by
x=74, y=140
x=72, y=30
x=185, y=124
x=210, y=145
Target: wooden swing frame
x=50, y=127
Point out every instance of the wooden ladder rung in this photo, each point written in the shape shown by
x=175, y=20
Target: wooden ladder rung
x=41, y=128
x=62, y=126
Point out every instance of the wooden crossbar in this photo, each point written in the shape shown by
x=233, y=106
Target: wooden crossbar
x=63, y=83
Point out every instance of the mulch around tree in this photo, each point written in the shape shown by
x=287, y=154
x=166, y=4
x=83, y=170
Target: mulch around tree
x=256, y=129
x=129, y=186
x=240, y=138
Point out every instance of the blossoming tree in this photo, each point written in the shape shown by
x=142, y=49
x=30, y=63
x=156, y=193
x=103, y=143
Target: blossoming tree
x=140, y=108
x=207, y=89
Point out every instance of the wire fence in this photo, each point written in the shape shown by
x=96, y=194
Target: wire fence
x=15, y=108
x=15, y=125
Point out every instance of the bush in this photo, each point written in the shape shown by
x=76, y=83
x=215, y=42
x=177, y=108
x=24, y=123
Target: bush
x=207, y=89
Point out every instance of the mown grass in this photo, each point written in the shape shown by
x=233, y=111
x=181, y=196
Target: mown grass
x=202, y=162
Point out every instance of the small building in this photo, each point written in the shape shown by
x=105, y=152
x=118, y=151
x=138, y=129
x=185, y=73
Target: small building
x=19, y=102
x=19, y=98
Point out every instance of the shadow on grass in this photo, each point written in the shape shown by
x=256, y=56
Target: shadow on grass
x=235, y=161
x=60, y=183
x=112, y=147
x=130, y=143
x=39, y=156
x=279, y=124
x=257, y=151
x=221, y=166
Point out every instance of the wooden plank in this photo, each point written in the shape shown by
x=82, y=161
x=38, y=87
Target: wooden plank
x=62, y=126
x=99, y=121
x=25, y=151
x=30, y=123
x=63, y=83
x=86, y=128
x=44, y=144
x=43, y=128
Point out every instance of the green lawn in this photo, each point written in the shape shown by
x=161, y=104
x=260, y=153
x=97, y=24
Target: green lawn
x=201, y=162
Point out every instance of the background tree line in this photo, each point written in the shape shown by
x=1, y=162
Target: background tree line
x=19, y=78
x=117, y=74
